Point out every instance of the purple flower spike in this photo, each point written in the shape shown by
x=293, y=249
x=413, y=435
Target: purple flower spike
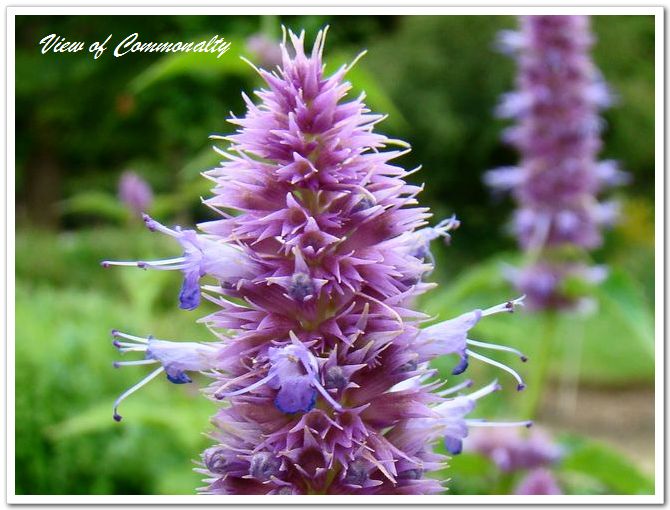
x=265, y=49
x=135, y=192
x=512, y=450
x=321, y=368
x=538, y=482
x=557, y=134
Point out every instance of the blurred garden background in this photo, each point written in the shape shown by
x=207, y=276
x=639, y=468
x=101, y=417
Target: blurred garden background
x=81, y=122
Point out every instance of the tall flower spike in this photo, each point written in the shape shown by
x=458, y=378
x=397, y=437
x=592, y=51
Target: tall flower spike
x=557, y=134
x=322, y=369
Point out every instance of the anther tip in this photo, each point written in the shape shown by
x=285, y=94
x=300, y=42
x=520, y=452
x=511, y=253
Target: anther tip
x=142, y=265
x=498, y=387
x=529, y=424
x=105, y=263
x=149, y=222
x=117, y=417
x=115, y=332
x=524, y=359
x=116, y=344
x=469, y=383
x=521, y=387
x=115, y=364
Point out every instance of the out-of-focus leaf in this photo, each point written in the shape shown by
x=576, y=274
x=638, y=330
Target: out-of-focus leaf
x=179, y=419
x=623, y=295
x=470, y=473
x=616, y=341
x=202, y=161
x=605, y=465
x=202, y=65
x=96, y=203
x=362, y=80
x=188, y=195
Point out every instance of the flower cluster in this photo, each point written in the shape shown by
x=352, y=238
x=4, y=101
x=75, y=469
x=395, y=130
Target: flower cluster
x=511, y=451
x=320, y=364
x=557, y=102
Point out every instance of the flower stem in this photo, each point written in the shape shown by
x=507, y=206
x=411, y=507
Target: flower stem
x=538, y=376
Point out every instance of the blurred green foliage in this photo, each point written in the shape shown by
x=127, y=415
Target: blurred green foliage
x=80, y=122
x=586, y=467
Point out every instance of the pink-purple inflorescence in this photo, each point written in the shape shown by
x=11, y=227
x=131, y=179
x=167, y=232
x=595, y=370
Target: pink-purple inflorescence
x=557, y=134
x=513, y=451
x=135, y=192
x=320, y=365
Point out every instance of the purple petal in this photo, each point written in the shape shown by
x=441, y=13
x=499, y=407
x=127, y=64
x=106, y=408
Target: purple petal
x=189, y=296
x=296, y=395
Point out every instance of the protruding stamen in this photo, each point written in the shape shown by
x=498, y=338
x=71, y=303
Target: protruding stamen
x=326, y=395
x=118, y=334
x=118, y=364
x=508, y=307
x=454, y=389
x=484, y=423
x=107, y=263
x=521, y=385
x=445, y=226
x=154, y=226
x=496, y=347
x=132, y=390
x=246, y=389
x=486, y=390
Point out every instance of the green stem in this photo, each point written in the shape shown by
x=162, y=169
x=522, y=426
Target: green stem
x=540, y=367
x=569, y=383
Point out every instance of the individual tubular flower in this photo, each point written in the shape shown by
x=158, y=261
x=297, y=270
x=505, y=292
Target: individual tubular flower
x=135, y=192
x=293, y=371
x=202, y=256
x=557, y=134
x=451, y=337
x=321, y=367
x=175, y=358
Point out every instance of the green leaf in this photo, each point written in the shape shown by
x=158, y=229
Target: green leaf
x=625, y=296
x=363, y=80
x=199, y=65
x=616, y=343
x=606, y=466
x=179, y=418
x=96, y=203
